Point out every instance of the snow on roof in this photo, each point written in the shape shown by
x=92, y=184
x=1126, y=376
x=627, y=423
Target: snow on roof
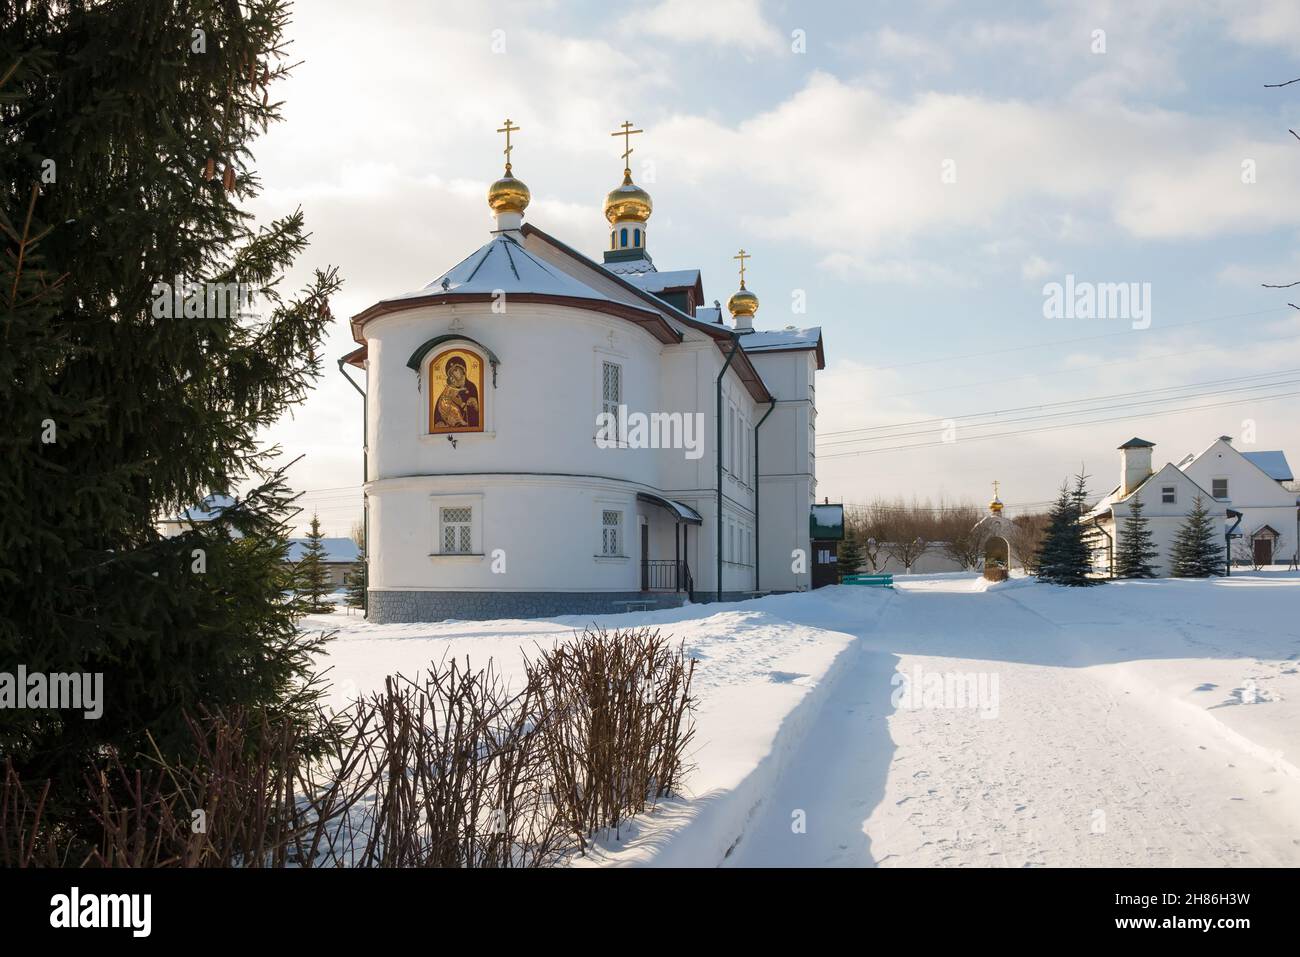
x=629, y=269
x=659, y=281
x=503, y=265
x=209, y=508
x=336, y=550
x=709, y=313
x=1273, y=464
x=788, y=338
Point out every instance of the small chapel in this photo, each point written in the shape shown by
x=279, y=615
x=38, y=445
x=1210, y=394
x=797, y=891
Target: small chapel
x=549, y=432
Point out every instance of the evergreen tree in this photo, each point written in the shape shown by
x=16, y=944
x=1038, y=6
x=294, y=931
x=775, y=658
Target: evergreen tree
x=850, y=557
x=354, y=583
x=313, y=577
x=125, y=162
x=354, y=580
x=1136, y=549
x=1064, y=557
x=1092, y=537
x=1197, y=551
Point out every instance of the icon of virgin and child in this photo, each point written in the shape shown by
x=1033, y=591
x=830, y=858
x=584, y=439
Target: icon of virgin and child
x=457, y=383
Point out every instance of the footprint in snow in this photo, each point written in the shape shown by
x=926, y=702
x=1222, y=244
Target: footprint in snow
x=785, y=677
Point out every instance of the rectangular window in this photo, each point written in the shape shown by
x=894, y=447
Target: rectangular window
x=745, y=457
x=1220, y=488
x=1167, y=495
x=731, y=439
x=611, y=389
x=611, y=532
x=457, y=534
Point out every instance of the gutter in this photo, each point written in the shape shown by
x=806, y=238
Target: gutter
x=1227, y=542
x=757, y=550
x=735, y=347
x=365, y=475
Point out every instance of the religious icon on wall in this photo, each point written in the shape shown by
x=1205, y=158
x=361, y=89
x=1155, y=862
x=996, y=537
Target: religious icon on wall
x=456, y=392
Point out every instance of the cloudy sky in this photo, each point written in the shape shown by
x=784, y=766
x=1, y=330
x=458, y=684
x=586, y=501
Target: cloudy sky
x=917, y=174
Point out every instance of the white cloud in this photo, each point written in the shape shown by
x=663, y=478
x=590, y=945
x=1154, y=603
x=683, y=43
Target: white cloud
x=1036, y=267
x=725, y=23
x=836, y=161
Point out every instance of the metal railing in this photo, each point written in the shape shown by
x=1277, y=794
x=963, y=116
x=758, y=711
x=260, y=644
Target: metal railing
x=666, y=575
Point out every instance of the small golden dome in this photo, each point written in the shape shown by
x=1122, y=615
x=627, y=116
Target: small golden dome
x=995, y=507
x=508, y=195
x=628, y=202
x=743, y=303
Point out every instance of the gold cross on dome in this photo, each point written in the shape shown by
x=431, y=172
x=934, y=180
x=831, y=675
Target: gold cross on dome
x=995, y=488
x=742, y=256
x=508, y=129
x=627, y=133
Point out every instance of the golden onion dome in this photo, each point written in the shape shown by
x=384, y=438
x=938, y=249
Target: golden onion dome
x=743, y=303
x=995, y=507
x=628, y=202
x=508, y=195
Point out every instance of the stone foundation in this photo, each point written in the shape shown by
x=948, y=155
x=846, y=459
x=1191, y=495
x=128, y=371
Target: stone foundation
x=389, y=607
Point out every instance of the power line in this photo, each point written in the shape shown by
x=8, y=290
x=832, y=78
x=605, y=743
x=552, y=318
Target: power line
x=1065, y=425
x=1109, y=363
x=1071, y=402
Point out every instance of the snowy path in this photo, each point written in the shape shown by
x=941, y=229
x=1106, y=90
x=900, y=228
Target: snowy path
x=1079, y=766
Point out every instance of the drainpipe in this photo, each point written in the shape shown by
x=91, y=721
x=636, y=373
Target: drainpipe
x=735, y=347
x=1227, y=543
x=1110, y=545
x=756, y=480
x=365, y=512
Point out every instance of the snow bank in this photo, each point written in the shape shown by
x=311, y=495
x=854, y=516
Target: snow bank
x=764, y=667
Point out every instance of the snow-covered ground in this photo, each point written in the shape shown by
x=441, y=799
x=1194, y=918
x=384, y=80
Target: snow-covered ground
x=1137, y=723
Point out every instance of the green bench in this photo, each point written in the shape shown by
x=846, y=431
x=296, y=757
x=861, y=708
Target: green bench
x=872, y=581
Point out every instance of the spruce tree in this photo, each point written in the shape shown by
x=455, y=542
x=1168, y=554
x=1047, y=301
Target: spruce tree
x=354, y=583
x=313, y=577
x=1136, y=549
x=1064, y=557
x=354, y=579
x=850, y=557
x=1197, y=550
x=126, y=134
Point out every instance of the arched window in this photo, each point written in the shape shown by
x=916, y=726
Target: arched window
x=622, y=238
x=636, y=238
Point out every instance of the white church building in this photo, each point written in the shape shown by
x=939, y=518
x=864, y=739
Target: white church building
x=1248, y=495
x=548, y=433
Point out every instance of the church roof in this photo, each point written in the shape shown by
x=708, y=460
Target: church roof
x=503, y=264
x=659, y=281
x=630, y=268
x=785, y=340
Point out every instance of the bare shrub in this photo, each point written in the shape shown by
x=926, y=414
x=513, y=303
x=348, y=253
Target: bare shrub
x=458, y=777
x=615, y=721
x=451, y=770
x=25, y=839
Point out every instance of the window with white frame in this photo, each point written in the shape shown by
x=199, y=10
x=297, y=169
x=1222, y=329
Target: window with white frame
x=1169, y=494
x=611, y=532
x=1219, y=488
x=457, y=535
